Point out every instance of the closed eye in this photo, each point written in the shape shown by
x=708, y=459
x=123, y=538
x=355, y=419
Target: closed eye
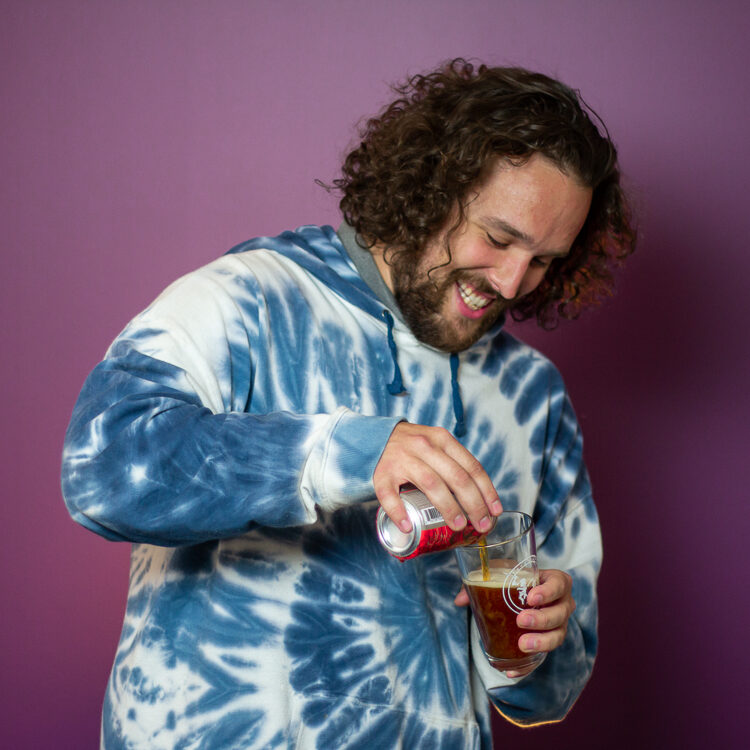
x=497, y=243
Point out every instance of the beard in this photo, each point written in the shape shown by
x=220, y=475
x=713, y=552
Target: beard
x=424, y=300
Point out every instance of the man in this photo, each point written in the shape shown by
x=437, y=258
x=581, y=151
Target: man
x=243, y=430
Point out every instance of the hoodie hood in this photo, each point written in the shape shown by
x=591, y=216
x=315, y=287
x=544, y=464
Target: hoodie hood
x=320, y=251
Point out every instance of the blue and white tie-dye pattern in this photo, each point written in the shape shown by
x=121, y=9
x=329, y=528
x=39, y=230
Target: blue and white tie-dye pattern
x=231, y=433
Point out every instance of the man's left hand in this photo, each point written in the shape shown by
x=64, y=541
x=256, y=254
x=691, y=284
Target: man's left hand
x=553, y=605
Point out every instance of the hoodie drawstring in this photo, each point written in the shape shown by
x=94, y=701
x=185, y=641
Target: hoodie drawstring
x=458, y=407
x=396, y=387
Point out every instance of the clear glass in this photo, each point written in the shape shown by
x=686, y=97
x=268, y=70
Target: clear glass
x=498, y=573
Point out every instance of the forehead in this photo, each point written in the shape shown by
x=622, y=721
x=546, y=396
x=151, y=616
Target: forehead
x=535, y=197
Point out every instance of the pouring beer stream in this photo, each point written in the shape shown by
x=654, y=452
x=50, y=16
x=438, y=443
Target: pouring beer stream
x=483, y=558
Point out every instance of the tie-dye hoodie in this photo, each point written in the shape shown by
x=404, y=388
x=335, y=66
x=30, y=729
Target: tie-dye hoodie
x=231, y=435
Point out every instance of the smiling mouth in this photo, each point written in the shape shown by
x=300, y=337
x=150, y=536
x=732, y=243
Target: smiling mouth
x=473, y=299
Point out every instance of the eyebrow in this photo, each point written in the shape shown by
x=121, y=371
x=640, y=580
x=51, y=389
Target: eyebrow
x=503, y=226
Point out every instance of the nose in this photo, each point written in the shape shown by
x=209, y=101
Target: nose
x=508, y=274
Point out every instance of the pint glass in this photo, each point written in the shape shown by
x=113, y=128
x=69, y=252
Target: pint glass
x=498, y=572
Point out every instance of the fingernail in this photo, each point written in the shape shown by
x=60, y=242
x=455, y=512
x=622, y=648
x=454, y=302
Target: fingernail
x=497, y=507
x=526, y=621
x=459, y=521
x=530, y=644
x=405, y=526
x=485, y=523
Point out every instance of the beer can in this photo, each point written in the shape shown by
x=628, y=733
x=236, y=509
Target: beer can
x=429, y=531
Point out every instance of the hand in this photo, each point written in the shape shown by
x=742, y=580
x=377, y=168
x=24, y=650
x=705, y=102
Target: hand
x=554, y=604
x=453, y=480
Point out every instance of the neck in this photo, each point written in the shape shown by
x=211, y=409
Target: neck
x=378, y=255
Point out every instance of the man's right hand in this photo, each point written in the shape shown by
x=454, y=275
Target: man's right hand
x=433, y=460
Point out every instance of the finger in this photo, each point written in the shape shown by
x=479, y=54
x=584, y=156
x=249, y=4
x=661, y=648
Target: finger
x=435, y=462
x=532, y=643
x=430, y=479
x=425, y=476
x=426, y=479
x=411, y=456
x=521, y=672
x=546, y=618
x=477, y=476
x=462, y=598
x=553, y=585
x=457, y=485
x=391, y=502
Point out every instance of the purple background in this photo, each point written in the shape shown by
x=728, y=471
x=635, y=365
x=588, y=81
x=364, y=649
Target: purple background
x=142, y=139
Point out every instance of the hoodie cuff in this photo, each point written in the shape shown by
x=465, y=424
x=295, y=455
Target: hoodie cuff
x=340, y=465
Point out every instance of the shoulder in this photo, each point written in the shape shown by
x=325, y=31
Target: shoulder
x=516, y=365
x=255, y=268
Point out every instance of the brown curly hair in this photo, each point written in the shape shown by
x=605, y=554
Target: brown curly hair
x=420, y=159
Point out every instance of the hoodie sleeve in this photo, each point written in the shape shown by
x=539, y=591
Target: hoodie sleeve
x=569, y=539
x=169, y=443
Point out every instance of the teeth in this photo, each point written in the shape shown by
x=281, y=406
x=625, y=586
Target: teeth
x=471, y=298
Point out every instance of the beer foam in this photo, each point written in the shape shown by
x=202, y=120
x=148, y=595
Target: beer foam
x=496, y=581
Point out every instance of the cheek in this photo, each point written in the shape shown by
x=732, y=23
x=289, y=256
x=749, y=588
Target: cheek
x=473, y=252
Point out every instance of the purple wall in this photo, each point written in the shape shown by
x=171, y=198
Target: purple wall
x=142, y=139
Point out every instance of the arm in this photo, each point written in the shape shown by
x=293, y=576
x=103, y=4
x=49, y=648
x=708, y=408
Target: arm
x=568, y=540
x=162, y=449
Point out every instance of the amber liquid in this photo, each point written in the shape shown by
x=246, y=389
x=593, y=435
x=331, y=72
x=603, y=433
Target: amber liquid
x=496, y=623
x=483, y=559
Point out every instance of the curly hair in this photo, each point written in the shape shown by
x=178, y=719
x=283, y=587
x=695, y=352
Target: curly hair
x=420, y=159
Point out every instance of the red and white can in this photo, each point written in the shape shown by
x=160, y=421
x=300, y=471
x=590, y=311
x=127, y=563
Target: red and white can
x=429, y=531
